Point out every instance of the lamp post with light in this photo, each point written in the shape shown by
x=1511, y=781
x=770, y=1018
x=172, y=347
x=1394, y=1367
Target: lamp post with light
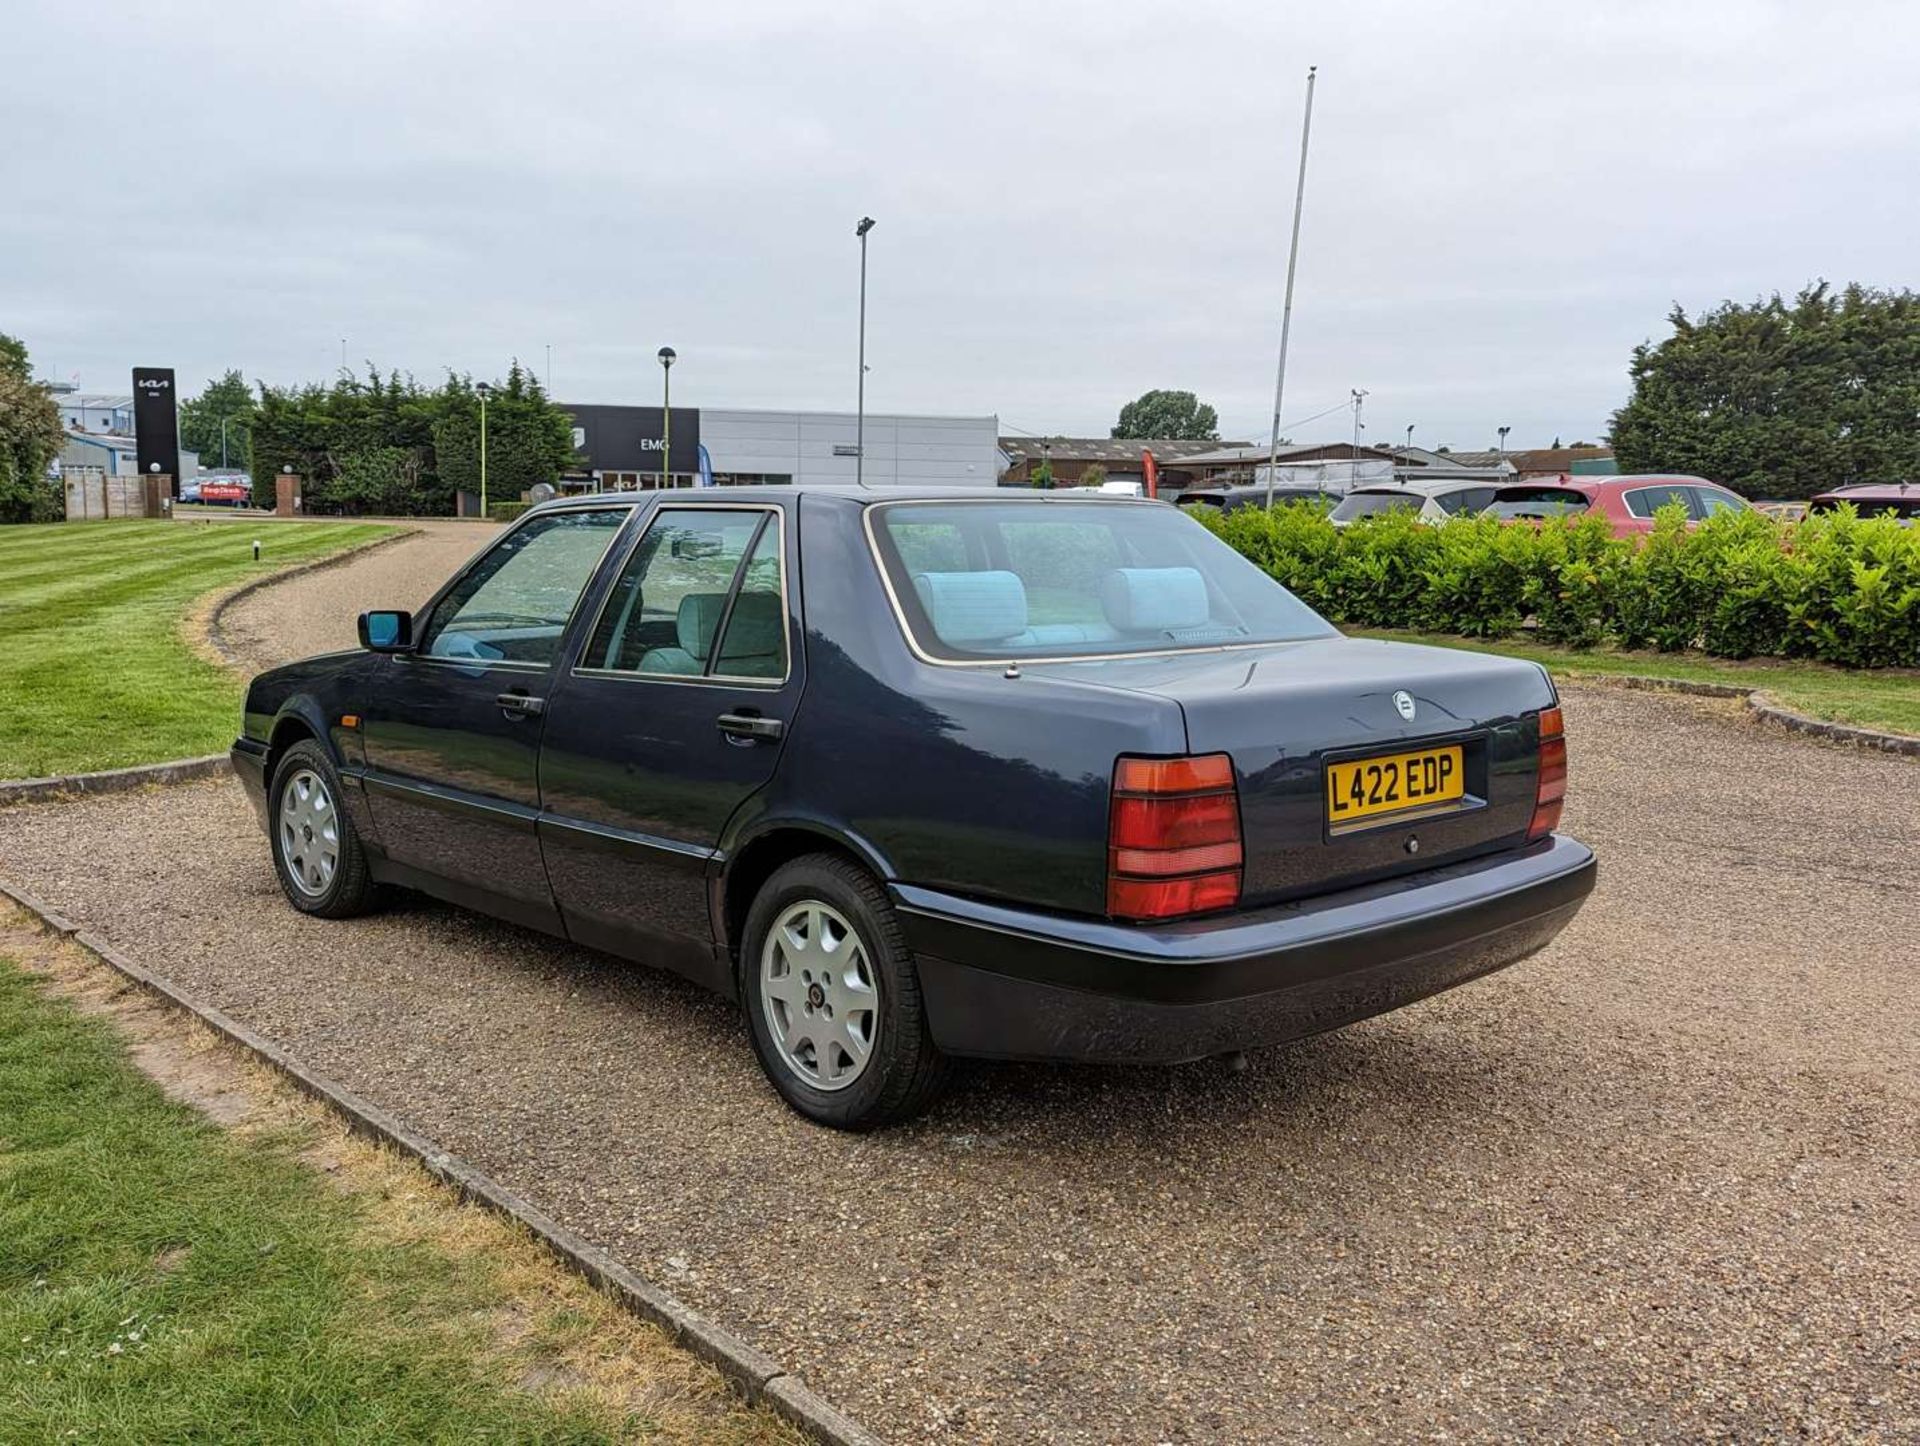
x=486, y=394
x=667, y=358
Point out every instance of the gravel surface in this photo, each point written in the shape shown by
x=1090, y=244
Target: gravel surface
x=1657, y=1182
x=315, y=612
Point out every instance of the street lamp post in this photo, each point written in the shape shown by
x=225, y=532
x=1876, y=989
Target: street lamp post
x=860, y=415
x=486, y=392
x=1503, y=440
x=667, y=355
x=1406, y=456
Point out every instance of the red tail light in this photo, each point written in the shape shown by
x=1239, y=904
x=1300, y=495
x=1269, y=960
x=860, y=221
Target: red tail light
x=1551, y=791
x=1173, y=837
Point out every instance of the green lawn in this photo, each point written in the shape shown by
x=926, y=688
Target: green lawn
x=1888, y=700
x=164, y=1279
x=93, y=672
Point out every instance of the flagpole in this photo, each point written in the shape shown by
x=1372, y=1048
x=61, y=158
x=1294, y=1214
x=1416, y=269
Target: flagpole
x=1286, y=312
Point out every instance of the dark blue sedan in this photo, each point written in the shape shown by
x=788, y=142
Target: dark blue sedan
x=920, y=774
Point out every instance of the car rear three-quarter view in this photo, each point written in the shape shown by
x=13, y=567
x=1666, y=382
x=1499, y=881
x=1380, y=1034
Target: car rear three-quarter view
x=924, y=775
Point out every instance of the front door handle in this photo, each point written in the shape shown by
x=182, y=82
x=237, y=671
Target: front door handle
x=521, y=705
x=750, y=726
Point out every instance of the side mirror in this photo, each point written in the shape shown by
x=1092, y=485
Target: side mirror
x=387, y=632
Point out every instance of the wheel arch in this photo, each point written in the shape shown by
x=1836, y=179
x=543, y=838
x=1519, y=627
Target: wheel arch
x=754, y=859
x=299, y=718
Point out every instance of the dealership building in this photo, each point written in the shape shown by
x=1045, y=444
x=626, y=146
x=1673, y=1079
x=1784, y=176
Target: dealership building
x=622, y=448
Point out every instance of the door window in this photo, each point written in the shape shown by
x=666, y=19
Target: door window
x=1712, y=501
x=700, y=597
x=513, y=604
x=1649, y=500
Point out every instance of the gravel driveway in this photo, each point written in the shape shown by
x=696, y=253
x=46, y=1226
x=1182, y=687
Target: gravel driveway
x=315, y=612
x=1659, y=1181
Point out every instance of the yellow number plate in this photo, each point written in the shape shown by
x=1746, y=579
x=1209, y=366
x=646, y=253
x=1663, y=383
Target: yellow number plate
x=1371, y=788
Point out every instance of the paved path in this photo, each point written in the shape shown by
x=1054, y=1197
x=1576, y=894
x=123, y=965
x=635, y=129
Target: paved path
x=315, y=612
x=1658, y=1182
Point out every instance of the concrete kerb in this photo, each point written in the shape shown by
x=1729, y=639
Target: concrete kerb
x=1764, y=709
x=759, y=1377
x=114, y=780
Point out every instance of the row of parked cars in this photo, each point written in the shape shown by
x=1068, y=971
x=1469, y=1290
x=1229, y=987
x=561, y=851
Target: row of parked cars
x=1628, y=503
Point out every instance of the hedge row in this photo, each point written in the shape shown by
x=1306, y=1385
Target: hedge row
x=1835, y=588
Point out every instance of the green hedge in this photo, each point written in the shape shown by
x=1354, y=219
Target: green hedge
x=506, y=511
x=1834, y=588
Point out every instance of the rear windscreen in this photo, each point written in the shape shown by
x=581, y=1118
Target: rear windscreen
x=1369, y=504
x=1901, y=507
x=1005, y=580
x=1537, y=502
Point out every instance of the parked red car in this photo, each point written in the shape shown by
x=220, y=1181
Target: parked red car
x=1877, y=499
x=230, y=494
x=1629, y=503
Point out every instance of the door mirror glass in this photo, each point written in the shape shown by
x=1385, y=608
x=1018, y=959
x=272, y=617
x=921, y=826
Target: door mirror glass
x=387, y=631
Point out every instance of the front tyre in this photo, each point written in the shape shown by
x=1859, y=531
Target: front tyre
x=833, y=999
x=316, y=852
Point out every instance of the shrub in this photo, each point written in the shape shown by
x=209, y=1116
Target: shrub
x=506, y=511
x=1833, y=588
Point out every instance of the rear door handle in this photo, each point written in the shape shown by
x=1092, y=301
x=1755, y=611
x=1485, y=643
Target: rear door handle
x=750, y=726
x=521, y=705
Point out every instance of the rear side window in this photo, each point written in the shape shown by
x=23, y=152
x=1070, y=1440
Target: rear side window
x=513, y=604
x=701, y=596
x=1646, y=501
x=1467, y=499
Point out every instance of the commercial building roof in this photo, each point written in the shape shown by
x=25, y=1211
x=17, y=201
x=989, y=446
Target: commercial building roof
x=1105, y=449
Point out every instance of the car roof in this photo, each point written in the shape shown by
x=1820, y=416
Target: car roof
x=1435, y=487
x=1872, y=491
x=786, y=491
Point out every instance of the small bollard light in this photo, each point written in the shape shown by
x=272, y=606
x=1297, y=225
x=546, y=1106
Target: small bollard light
x=256, y=549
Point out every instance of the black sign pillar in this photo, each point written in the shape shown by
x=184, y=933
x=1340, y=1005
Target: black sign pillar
x=156, y=423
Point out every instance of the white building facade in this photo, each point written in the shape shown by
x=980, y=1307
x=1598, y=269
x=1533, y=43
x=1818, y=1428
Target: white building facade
x=621, y=447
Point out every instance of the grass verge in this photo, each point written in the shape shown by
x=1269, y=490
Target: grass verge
x=93, y=672
x=1884, y=699
x=166, y=1279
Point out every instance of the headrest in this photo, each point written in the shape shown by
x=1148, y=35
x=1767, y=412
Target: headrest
x=699, y=615
x=754, y=630
x=973, y=607
x=1152, y=599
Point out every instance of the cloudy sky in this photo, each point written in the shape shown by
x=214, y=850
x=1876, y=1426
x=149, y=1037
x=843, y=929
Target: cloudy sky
x=1076, y=202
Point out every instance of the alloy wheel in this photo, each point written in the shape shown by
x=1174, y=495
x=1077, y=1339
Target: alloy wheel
x=818, y=990
x=309, y=833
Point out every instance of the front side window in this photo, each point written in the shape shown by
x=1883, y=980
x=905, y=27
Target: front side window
x=700, y=597
x=982, y=581
x=1712, y=501
x=513, y=604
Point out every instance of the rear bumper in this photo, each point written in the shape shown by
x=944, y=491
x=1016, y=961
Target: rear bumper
x=250, y=767
x=1012, y=984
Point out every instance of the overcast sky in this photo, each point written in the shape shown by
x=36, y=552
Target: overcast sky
x=1075, y=202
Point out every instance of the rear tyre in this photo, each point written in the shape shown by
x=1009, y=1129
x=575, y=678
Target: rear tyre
x=833, y=1000
x=316, y=852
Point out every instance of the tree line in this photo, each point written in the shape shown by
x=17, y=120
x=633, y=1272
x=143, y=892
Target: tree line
x=384, y=444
